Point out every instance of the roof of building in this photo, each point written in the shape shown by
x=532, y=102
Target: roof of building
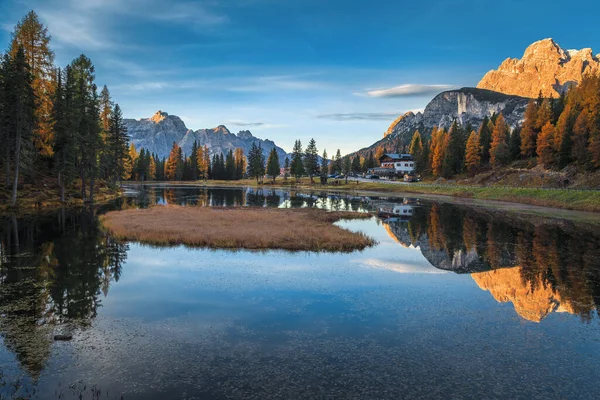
x=395, y=156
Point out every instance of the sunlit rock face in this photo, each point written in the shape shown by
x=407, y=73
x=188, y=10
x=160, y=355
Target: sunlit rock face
x=507, y=285
x=545, y=67
x=157, y=134
x=466, y=106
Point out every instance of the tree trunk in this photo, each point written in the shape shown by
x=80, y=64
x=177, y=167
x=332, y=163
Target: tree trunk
x=92, y=183
x=17, y=162
x=61, y=182
x=7, y=166
x=82, y=175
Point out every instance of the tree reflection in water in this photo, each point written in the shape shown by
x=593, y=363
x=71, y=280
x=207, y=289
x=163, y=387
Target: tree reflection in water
x=54, y=271
x=540, y=265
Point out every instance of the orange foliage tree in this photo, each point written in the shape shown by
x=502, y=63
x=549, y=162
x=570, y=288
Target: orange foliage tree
x=545, y=145
x=499, y=151
x=473, y=156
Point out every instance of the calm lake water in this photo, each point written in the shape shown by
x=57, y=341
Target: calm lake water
x=453, y=302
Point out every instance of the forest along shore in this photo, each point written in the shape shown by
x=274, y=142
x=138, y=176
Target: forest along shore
x=568, y=199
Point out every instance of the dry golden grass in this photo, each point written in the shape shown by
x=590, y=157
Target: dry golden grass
x=237, y=228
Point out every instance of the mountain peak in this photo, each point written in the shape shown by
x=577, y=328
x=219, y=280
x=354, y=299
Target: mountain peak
x=545, y=67
x=221, y=129
x=159, y=116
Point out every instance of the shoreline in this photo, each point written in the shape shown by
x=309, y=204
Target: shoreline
x=586, y=201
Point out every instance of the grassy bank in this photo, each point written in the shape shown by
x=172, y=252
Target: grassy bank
x=235, y=228
x=570, y=199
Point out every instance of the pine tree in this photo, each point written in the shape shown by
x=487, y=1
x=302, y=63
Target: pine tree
x=347, y=167
x=172, y=162
x=337, y=162
x=297, y=164
x=23, y=112
x=194, y=166
x=485, y=140
x=356, y=168
x=131, y=160
x=286, y=167
x=256, y=162
x=416, y=150
x=528, y=130
x=580, y=139
x=563, y=142
x=438, y=150
x=454, y=155
x=230, y=166
x=514, y=144
x=311, y=159
x=499, y=151
x=472, y=156
x=32, y=37
x=240, y=163
x=117, y=144
x=545, y=145
x=324, y=164
x=273, y=168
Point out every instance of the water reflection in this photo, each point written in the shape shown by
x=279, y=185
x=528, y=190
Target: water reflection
x=539, y=265
x=58, y=271
x=54, y=270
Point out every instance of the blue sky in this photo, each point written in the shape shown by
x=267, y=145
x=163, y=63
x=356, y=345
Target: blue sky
x=288, y=69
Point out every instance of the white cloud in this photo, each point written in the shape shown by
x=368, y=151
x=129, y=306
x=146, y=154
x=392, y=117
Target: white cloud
x=361, y=116
x=409, y=90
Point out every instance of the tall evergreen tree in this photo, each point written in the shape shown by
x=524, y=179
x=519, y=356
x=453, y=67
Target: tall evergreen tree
x=194, y=165
x=416, y=150
x=528, y=130
x=337, y=162
x=32, y=37
x=473, y=156
x=311, y=159
x=273, y=168
x=324, y=164
x=499, y=151
x=485, y=140
x=117, y=145
x=230, y=166
x=23, y=110
x=297, y=165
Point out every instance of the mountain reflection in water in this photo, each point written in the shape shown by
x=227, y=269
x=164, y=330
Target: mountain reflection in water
x=539, y=265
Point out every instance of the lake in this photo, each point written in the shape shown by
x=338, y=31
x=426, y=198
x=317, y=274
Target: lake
x=454, y=301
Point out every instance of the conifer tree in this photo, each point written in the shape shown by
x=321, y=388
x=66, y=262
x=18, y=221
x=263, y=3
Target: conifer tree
x=416, y=150
x=347, y=167
x=286, y=167
x=337, y=162
x=194, y=166
x=273, y=168
x=171, y=165
x=32, y=37
x=453, y=161
x=240, y=163
x=230, y=166
x=485, y=140
x=297, y=164
x=117, y=145
x=324, y=164
x=356, y=164
x=515, y=144
x=311, y=159
x=23, y=106
x=580, y=139
x=472, y=156
x=545, y=145
x=499, y=151
x=528, y=131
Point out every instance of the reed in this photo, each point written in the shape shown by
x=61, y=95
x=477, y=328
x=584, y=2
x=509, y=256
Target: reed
x=238, y=228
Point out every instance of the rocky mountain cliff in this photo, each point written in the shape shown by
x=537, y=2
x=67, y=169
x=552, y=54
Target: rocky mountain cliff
x=545, y=67
x=466, y=106
x=157, y=134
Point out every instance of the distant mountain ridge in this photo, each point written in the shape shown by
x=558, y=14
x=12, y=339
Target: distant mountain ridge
x=157, y=134
x=466, y=106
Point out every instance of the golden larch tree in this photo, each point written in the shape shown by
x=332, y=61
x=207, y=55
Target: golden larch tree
x=473, y=153
x=545, y=145
x=499, y=151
